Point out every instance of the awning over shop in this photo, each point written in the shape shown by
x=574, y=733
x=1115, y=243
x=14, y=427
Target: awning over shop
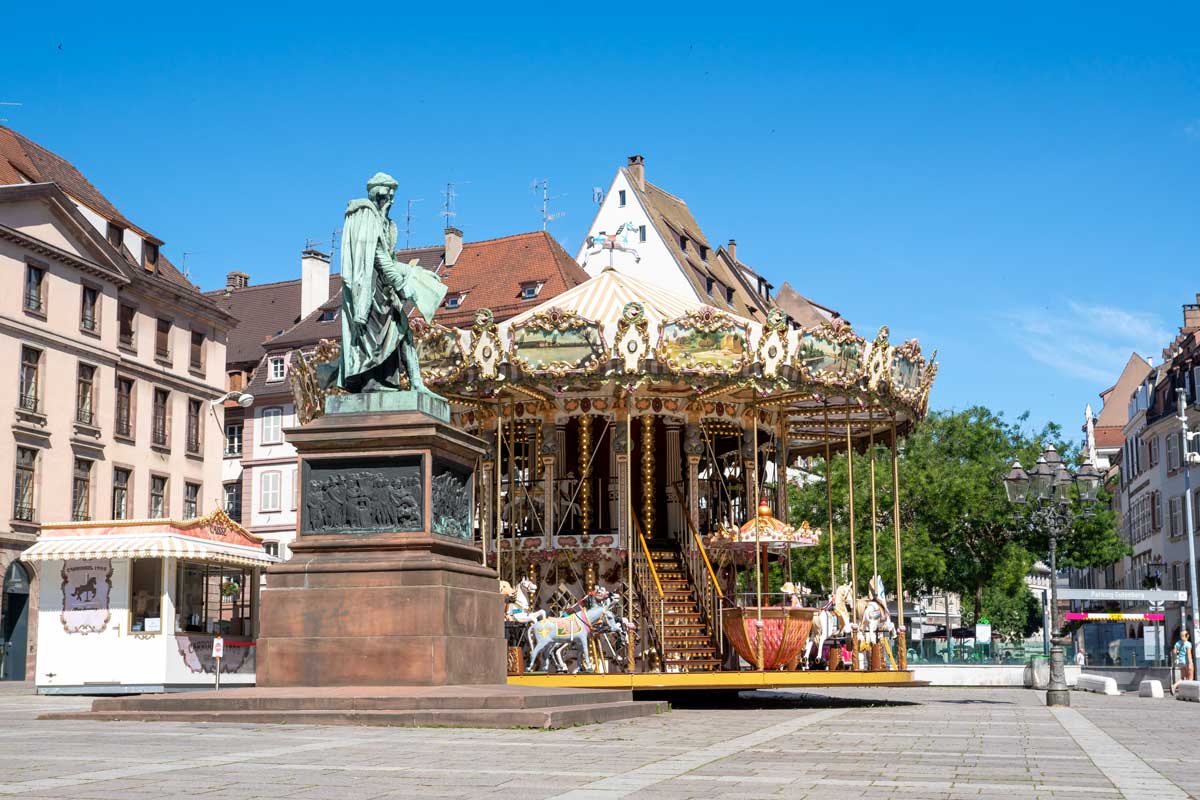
x=212, y=538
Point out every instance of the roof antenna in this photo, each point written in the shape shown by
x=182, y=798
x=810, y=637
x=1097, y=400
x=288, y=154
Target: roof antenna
x=186, y=274
x=11, y=105
x=408, y=218
x=547, y=217
x=448, y=204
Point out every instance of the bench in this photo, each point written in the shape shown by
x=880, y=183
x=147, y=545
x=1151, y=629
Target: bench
x=1150, y=688
x=1188, y=690
x=1096, y=683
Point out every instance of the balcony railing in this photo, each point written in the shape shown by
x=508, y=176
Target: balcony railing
x=123, y=427
x=84, y=416
x=80, y=516
x=23, y=513
x=159, y=434
x=88, y=322
x=29, y=402
x=233, y=449
x=193, y=442
x=33, y=301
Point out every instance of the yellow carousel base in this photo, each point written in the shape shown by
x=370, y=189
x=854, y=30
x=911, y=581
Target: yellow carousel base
x=746, y=680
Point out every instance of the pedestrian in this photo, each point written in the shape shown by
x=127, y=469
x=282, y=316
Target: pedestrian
x=1184, y=662
x=1079, y=658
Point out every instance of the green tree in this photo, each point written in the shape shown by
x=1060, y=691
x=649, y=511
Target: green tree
x=958, y=530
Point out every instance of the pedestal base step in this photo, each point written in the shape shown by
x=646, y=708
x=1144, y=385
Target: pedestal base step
x=456, y=706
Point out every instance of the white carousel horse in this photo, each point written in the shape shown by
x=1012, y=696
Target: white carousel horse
x=519, y=608
x=574, y=629
x=833, y=619
x=873, y=616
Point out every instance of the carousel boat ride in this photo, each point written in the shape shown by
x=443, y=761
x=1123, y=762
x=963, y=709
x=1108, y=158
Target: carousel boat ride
x=631, y=435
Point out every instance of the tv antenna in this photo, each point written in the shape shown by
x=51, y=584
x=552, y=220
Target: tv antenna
x=448, y=203
x=408, y=218
x=186, y=273
x=547, y=217
x=10, y=104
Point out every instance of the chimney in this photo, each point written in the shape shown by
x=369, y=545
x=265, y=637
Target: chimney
x=314, y=281
x=1191, y=316
x=453, y=246
x=236, y=280
x=637, y=170
x=731, y=248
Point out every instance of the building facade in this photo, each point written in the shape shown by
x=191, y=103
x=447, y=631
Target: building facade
x=113, y=358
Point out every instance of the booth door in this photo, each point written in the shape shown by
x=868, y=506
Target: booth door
x=14, y=622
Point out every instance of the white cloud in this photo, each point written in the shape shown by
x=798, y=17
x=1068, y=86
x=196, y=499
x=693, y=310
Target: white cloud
x=1092, y=342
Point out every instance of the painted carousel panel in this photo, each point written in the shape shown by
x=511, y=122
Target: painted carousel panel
x=823, y=354
x=539, y=349
x=684, y=346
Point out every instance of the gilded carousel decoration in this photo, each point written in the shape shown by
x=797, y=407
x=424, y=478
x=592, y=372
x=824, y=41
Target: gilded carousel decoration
x=640, y=487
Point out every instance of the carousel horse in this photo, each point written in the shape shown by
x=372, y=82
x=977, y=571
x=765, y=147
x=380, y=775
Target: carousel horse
x=519, y=606
x=833, y=619
x=548, y=634
x=874, y=620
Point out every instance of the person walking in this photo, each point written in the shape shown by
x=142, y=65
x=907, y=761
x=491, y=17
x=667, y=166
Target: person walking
x=1184, y=661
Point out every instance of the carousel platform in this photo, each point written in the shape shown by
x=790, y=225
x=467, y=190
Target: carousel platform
x=745, y=681
x=483, y=706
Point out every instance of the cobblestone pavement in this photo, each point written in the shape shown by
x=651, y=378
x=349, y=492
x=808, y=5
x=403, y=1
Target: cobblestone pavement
x=844, y=744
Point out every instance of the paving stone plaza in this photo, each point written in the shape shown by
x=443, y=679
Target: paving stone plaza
x=846, y=743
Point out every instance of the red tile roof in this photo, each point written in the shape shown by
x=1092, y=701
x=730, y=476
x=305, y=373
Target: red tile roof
x=262, y=312
x=23, y=160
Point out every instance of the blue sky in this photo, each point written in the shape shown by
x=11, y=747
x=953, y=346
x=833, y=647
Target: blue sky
x=1018, y=190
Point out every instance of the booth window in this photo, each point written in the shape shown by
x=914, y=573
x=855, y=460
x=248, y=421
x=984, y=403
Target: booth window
x=145, y=592
x=213, y=598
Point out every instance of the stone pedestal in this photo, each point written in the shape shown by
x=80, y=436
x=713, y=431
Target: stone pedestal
x=385, y=586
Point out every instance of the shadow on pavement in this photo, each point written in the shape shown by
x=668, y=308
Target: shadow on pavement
x=735, y=700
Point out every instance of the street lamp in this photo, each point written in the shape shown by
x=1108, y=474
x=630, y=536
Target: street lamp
x=1046, y=490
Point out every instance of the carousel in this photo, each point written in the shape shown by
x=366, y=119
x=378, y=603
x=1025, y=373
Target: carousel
x=634, y=495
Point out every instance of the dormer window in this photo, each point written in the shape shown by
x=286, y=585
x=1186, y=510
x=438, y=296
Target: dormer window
x=729, y=295
x=276, y=368
x=621, y=198
x=530, y=290
x=708, y=286
x=454, y=300
x=329, y=315
x=683, y=243
x=150, y=255
x=115, y=235
x=703, y=252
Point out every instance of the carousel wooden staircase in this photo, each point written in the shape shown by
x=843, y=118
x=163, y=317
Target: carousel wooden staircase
x=687, y=640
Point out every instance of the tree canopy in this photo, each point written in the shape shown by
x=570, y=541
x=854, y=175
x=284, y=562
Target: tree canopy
x=958, y=530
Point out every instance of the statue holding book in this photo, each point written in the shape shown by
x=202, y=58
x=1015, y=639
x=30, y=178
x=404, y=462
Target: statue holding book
x=378, y=293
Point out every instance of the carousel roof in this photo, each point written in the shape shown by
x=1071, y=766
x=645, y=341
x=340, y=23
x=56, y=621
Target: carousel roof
x=603, y=299
x=763, y=530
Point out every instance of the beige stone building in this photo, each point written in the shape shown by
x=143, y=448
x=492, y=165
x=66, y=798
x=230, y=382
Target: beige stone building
x=111, y=360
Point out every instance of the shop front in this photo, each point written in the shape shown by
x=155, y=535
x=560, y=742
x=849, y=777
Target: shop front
x=135, y=606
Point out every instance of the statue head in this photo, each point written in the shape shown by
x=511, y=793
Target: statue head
x=381, y=189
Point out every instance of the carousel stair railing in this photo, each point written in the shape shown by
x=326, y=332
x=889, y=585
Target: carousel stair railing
x=650, y=592
x=703, y=576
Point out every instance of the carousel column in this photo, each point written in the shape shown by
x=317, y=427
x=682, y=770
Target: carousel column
x=693, y=445
x=781, y=464
x=674, y=479
x=549, y=488
x=585, y=478
x=166, y=603
x=619, y=448
x=648, y=475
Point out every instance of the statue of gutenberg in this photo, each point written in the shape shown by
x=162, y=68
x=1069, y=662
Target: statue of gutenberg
x=377, y=340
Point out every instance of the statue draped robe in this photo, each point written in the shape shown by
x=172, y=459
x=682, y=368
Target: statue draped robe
x=377, y=343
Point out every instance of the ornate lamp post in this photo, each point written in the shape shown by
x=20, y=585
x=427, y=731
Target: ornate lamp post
x=1046, y=489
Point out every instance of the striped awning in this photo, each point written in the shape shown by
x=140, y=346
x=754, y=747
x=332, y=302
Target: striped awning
x=603, y=298
x=83, y=548
x=214, y=537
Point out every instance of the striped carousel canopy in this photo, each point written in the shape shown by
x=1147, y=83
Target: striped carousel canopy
x=603, y=298
x=212, y=538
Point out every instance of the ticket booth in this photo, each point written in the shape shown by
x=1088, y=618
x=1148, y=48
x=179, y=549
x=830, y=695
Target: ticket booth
x=133, y=606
